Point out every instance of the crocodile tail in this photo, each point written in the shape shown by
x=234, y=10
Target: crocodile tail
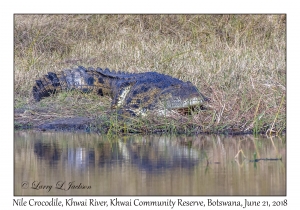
x=46, y=86
x=79, y=78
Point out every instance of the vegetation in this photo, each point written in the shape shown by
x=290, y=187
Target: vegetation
x=238, y=61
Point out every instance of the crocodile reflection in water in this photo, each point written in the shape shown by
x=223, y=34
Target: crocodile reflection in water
x=147, y=155
x=47, y=151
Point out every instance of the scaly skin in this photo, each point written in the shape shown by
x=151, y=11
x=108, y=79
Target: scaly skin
x=136, y=93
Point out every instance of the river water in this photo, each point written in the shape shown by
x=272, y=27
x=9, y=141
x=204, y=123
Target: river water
x=47, y=163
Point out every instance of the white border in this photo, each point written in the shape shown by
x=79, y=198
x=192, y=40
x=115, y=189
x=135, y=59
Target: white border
x=8, y=8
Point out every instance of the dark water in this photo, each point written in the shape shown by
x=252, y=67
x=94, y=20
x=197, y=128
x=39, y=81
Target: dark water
x=89, y=164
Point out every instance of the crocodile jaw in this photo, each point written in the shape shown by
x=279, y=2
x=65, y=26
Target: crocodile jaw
x=181, y=104
x=181, y=107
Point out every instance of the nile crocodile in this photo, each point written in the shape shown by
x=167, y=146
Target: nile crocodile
x=133, y=93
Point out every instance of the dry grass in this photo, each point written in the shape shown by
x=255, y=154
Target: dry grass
x=239, y=61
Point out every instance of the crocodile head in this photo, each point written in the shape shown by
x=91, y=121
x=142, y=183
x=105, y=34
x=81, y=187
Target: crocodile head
x=181, y=98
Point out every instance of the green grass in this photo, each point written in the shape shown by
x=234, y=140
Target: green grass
x=238, y=61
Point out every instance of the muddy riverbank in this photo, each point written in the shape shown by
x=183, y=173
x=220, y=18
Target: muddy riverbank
x=43, y=120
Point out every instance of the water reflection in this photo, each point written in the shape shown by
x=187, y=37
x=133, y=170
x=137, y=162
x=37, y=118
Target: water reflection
x=148, y=155
x=46, y=151
x=149, y=165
